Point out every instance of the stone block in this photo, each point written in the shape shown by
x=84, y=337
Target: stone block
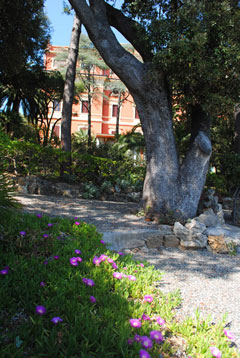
x=180, y=231
x=196, y=226
x=171, y=241
x=208, y=218
x=154, y=241
x=194, y=241
x=165, y=229
x=217, y=244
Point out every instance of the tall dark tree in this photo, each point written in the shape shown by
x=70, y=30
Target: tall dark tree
x=23, y=41
x=68, y=93
x=189, y=49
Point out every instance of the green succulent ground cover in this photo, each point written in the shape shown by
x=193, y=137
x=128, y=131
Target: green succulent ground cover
x=92, y=318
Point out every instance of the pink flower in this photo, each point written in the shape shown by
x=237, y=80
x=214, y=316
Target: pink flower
x=4, y=272
x=102, y=257
x=131, y=278
x=148, y=298
x=216, y=352
x=96, y=261
x=160, y=321
x=229, y=335
x=102, y=242
x=78, y=259
x=135, y=323
x=55, y=320
x=88, y=281
x=145, y=317
x=77, y=223
x=73, y=261
x=114, y=266
x=137, y=338
x=146, y=342
x=144, y=354
x=41, y=310
x=156, y=336
x=110, y=260
x=118, y=275
x=93, y=299
x=78, y=252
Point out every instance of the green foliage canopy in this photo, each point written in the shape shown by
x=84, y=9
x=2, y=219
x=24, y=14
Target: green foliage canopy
x=196, y=44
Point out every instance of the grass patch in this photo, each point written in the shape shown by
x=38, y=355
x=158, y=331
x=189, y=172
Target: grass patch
x=88, y=304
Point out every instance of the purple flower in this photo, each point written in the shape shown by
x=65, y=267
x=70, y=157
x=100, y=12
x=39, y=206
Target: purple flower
x=56, y=257
x=102, y=242
x=160, y=321
x=156, y=336
x=77, y=223
x=145, y=317
x=130, y=341
x=135, y=323
x=216, y=352
x=49, y=225
x=96, y=261
x=73, y=261
x=42, y=284
x=45, y=236
x=229, y=335
x=78, y=259
x=93, y=299
x=137, y=338
x=118, y=275
x=22, y=233
x=114, y=266
x=55, y=320
x=39, y=216
x=4, y=271
x=88, y=281
x=78, y=252
x=40, y=310
x=146, y=342
x=148, y=298
x=120, y=253
x=45, y=262
x=131, y=278
x=144, y=354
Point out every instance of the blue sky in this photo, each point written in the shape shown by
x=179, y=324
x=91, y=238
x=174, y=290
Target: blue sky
x=61, y=23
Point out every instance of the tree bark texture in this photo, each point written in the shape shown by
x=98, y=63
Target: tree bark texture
x=68, y=94
x=169, y=187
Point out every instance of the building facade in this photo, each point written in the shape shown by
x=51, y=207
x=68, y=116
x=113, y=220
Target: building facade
x=104, y=102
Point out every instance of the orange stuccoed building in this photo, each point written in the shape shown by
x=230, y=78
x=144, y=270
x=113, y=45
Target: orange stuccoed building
x=104, y=103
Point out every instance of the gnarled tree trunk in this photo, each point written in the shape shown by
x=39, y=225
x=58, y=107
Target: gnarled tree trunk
x=168, y=186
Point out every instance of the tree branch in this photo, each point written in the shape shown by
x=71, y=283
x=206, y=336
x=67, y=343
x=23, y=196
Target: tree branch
x=125, y=65
x=131, y=30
